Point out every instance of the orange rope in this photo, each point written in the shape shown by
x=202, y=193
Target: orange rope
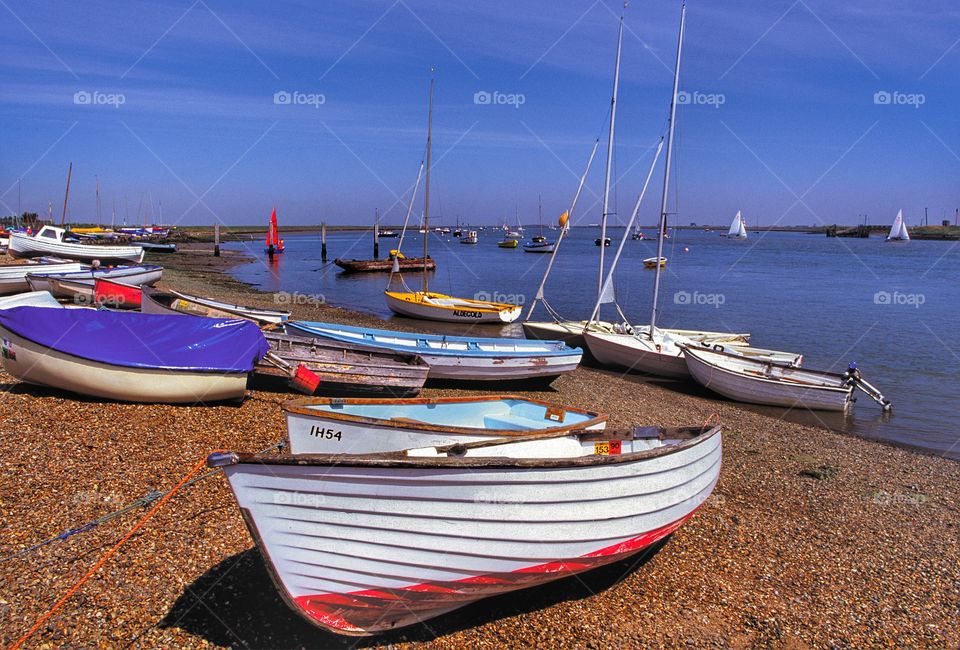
x=710, y=418
x=96, y=567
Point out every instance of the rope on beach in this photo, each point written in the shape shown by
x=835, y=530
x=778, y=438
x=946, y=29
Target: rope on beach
x=142, y=502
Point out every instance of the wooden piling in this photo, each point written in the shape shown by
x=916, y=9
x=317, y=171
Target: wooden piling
x=323, y=242
x=216, y=240
x=376, y=241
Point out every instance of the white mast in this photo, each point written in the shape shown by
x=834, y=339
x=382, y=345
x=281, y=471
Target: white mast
x=606, y=178
x=666, y=173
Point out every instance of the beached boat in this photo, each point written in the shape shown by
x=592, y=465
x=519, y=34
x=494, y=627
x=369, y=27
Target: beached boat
x=175, y=302
x=153, y=247
x=428, y=305
x=360, y=544
x=13, y=277
x=118, y=295
x=461, y=357
x=343, y=368
x=50, y=241
x=362, y=426
x=41, y=278
x=30, y=299
x=76, y=291
x=651, y=262
x=761, y=382
x=738, y=228
x=274, y=245
x=898, y=231
x=129, y=356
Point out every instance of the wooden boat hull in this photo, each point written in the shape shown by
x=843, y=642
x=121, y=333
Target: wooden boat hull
x=23, y=245
x=79, y=292
x=365, y=544
x=346, y=369
x=71, y=286
x=758, y=389
x=38, y=364
x=462, y=358
x=174, y=302
x=385, y=265
x=318, y=426
x=432, y=306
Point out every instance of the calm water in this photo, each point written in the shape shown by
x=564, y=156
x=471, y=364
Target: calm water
x=892, y=308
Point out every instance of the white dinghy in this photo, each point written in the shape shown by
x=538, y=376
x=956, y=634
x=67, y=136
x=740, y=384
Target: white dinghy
x=361, y=426
x=361, y=544
x=738, y=228
x=51, y=240
x=898, y=231
x=760, y=382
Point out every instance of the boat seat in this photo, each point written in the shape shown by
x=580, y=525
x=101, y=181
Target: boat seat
x=506, y=421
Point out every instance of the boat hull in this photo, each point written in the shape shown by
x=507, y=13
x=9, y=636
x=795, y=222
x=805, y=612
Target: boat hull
x=174, y=302
x=23, y=245
x=465, y=311
x=360, y=547
x=13, y=277
x=385, y=265
x=462, y=358
x=38, y=364
x=117, y=294
x=635, y=354
x=741, y=387
x=317, y=426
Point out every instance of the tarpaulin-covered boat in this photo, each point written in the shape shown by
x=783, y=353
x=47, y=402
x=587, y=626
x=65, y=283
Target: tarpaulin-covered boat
x=130, y=356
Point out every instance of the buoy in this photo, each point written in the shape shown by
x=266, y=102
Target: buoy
x=686, y=250
x=564, y=218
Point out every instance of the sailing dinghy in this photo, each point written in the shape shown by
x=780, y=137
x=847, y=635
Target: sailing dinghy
x=898, y=231
x=461, y=357
x=362, y=426
x=129, y=356
x=762, y=382
x=738, y=228
x=274, y=245
x=429, y=305
x=175, y=302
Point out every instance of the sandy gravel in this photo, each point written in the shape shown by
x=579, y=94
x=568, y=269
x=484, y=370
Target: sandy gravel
x=811, y=538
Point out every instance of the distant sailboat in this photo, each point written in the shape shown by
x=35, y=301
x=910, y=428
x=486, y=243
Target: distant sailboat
x=738, y=229
x=898, y=231
x=539, y=244
x=274, y=245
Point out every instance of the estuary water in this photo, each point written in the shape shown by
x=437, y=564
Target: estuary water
x=891, y=308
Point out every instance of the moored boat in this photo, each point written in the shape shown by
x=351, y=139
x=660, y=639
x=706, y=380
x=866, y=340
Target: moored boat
x=450, y=309
x=461, y=357
x=343, y=368
x=386, y=265
x=651, y=262
x=129, y=356
x=50, y=240
x=362, y=426
x=360, y=544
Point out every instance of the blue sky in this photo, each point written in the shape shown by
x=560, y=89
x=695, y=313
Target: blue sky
x=784, y=124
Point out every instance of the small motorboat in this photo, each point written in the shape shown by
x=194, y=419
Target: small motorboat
x=51, y=240
x=538, y=244
x=129, y=356
x=470, y=238
x=605, y=241
x=362, y=426
x=508, y=243
x=366, y=543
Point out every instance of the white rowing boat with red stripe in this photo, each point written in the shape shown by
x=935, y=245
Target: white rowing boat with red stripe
x=361, y=544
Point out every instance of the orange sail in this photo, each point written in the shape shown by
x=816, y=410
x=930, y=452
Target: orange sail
x=274, y=243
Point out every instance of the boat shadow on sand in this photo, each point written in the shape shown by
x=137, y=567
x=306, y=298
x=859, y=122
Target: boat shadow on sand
x=235, y=603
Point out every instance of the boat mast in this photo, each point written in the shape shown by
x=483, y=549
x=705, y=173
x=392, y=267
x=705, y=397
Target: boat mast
x=426, y=197
x=666, y=174
x=540, y=212
x=606, y=177
x=98, y=200
x=63, y=215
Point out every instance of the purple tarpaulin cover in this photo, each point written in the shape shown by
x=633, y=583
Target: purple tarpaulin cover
x=140, y=340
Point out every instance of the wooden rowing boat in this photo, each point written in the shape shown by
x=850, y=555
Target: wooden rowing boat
x=117, y=295
x=129, y=356
x=386, y=265
x=461, y=357
x=13, y=277
x=363, y=426
x=174, y=302
x=141, y=274
x=342, y=368
x=361, y=544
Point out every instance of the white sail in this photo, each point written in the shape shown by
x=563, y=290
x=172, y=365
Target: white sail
x=737, y=228
x=898, y=231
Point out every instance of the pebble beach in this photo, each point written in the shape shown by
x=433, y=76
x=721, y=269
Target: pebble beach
x=811, y=538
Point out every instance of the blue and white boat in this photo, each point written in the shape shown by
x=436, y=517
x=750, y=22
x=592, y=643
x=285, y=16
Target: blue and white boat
x=136, y=275
x=366, y=426
x=460, y=357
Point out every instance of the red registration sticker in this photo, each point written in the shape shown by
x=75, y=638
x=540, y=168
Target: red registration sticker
x=611, y=448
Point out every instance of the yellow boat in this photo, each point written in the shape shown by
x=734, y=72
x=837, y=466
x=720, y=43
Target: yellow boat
x=651, y=262
x=507, y=243
x=93, y=230
x=450, y=309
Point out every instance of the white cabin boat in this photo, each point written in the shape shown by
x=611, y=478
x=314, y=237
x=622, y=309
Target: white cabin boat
x=50, y=240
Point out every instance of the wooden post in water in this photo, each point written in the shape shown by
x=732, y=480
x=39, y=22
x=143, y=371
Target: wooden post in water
x=376, y=241
x=323, y=242
x=216, y=240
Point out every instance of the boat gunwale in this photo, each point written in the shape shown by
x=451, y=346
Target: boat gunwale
x=300, y=406
x=405, y=359
x=773, y=380
x=400, y=461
